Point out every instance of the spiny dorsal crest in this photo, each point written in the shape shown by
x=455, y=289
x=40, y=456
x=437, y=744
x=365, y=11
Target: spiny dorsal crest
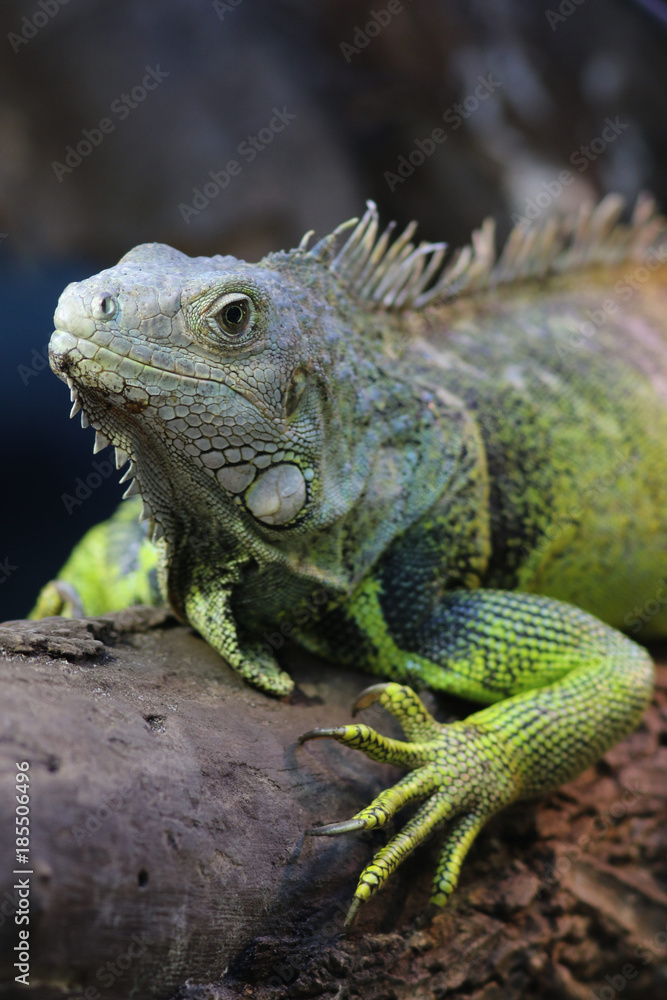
x=398, y=274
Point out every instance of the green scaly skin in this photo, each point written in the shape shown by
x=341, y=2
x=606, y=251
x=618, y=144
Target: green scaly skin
x=129, y=560
x=466, y=493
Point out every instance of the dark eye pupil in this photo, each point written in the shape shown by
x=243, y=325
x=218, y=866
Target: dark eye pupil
x=234, y=315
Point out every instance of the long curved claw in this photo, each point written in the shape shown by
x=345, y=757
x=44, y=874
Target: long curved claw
x=351, y=915
x=332, y=829
x=322, y=734
x=406, y=707
x=368, y=697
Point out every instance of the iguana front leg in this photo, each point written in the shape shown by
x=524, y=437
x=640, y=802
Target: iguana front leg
x=564, y=689
x=207, y=606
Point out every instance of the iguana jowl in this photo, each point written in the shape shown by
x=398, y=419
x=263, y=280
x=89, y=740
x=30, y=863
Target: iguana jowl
x=449, y=455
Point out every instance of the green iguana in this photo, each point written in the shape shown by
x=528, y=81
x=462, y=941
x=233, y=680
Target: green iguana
x=467, y=463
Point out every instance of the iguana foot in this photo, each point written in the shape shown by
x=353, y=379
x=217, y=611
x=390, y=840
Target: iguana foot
x=463, y=771
x=258, y=667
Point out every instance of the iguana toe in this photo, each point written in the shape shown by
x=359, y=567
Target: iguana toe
x=459, y=773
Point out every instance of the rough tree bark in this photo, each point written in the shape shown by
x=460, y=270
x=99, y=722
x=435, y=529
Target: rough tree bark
x=168, y=803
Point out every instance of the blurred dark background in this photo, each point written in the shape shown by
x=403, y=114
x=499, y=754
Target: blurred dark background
x=186, y=86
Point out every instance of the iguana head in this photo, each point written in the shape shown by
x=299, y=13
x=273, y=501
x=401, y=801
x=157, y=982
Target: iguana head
x=197, y=365
x=243, y=387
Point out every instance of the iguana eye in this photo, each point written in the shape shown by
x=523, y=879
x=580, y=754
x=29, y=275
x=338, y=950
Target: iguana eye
x=233, y=314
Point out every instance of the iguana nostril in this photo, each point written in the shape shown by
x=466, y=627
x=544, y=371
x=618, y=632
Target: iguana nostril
x=104, y=306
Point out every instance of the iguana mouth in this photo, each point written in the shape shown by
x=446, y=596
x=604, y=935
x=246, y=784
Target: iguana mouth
x=273, y=485
x=59, y=354
x=102, y=349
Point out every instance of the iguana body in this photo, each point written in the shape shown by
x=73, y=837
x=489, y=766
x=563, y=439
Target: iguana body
x=407, y=475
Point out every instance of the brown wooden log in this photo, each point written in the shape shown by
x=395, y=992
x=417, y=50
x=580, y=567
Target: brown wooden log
x=167, y=807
